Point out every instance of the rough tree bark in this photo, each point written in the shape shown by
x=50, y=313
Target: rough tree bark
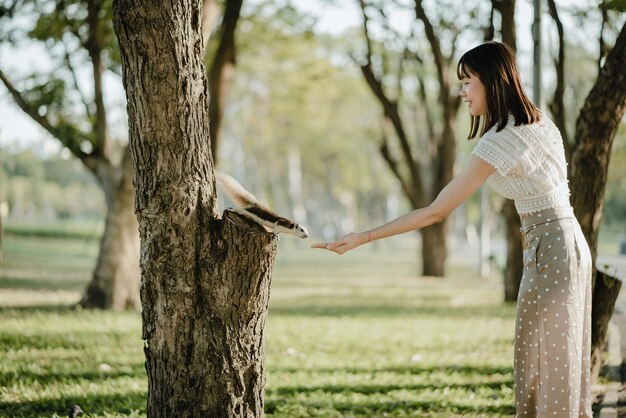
x=205, y=281
x=596, y=126
x=593, y=139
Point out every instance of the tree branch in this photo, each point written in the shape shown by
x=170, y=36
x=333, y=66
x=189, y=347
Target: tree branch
x=424, y=98
x=507, y=26
x=101, y=142
x=596, y=126
x=61, y=131
x=368, y=40
x=83, y=99
x=436, y=49
x=390, y=109
x=557, y=106
x=221, y=73
x=605, y=18
x=394, y=167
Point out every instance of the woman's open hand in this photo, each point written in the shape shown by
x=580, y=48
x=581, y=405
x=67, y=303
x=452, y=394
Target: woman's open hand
x=345, y=244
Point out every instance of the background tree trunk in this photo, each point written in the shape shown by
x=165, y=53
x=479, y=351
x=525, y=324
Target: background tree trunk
x=596, y=126
x=408, y=168
x=605, y=294
x=514, y=253
x=205, y=281
x=221, y=72
x=595, y=130
x=115, y=281
x=514, y=250
x=434, y=251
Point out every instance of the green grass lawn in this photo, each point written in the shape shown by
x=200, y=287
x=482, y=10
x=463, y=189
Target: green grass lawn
x=352, y=336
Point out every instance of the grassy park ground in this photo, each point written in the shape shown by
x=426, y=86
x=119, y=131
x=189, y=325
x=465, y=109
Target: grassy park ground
x=352, y=336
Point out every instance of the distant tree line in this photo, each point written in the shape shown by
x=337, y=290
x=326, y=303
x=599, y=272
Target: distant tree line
x=39, y=187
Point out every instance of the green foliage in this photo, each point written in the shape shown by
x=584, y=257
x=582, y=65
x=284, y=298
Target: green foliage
x=47, y=95
x=69, y=37
x=346, y=336
x=616, y=5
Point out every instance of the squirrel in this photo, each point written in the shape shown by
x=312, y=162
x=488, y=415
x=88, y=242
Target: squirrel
x=250, y=208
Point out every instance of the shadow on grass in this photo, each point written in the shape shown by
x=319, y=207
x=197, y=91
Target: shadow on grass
x=72, y=309
x=381, y=408
x=74, y=340
x=51, y=284
x=282, y=400
x=23, y=376
x=366, y=310
x=127, y=403
x=335, y=310
x=402, y=369
x=134, y=403
x=383, y=389
x=43, y=308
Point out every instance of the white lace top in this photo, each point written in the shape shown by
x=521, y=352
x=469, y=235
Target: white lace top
x=530, y=164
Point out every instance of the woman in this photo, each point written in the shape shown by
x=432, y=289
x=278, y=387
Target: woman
x=520, y=154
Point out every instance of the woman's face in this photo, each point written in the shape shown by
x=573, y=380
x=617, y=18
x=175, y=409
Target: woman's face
x=474, y=94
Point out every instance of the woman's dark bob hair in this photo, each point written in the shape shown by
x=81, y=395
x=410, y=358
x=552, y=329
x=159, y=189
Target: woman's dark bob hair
x=494, y=64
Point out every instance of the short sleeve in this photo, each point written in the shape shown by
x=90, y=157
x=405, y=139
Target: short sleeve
x=502, y=150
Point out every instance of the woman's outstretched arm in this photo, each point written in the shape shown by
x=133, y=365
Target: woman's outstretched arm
x=456, y=192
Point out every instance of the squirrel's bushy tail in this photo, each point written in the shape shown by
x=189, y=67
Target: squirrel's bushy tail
x=235, y=191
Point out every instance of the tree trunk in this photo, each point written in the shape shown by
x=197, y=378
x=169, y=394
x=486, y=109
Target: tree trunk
x=595, y=130
x=605, y=294
x=434, y=248
x=434, y=251
x=205, y=281
x=514, y=252
x=557, y=105
x=205, y=352
x=115, y=280
x=238, y=358
x=507, y=26
x=221, y=73
x=405, y=166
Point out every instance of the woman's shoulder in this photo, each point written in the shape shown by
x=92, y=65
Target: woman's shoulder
x=508, y=132
x=513, y=129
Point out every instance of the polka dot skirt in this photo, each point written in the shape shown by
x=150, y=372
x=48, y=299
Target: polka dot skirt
x=553, y=324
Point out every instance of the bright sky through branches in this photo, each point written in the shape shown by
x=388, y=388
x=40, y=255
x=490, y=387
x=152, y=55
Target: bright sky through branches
x=16, y=128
